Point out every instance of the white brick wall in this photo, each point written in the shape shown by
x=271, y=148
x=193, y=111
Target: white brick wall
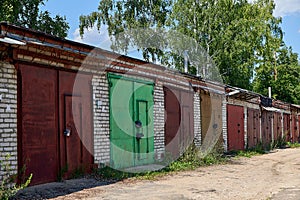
x=245, y=127
x=101, y=119
x=197, y=119
x=8, y=115
x=224, y=119
x=159, y=122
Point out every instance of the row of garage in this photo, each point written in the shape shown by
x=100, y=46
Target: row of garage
x=77, y=107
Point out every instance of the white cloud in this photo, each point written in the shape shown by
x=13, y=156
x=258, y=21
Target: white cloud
x=286, y=7
x=93, y=37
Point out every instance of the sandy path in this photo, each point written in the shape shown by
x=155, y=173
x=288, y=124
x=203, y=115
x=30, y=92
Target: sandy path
x=259, y=177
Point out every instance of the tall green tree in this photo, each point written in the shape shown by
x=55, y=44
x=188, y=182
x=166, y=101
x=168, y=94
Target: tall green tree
x=26, y=13
x=283, y=76
x=241, y=37
x=238, y=35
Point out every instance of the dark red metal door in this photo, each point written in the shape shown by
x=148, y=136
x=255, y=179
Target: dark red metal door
x=266, y=125
x=49, y=103
x=187, y=119
x=235, y=127
x=298, y=128
x=76, y=139
x=172, y=122
x=286, y=127
x=38, y=124
x=295, y=136
x=277, y=126
x=179, y=120
x=253, y=127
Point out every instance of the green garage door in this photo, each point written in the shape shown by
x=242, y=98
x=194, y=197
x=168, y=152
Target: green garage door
x=131, y=122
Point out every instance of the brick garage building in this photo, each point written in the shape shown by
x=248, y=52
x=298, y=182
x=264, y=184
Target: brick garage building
x=66, y=108
x=60, y=106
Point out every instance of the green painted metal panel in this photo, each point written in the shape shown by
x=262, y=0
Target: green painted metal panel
x=143, y=96
x=131, y=101
x=122, y=143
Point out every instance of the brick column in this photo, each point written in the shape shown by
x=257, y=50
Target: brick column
x=8, y=115
x=101, y=119
x=159, y=122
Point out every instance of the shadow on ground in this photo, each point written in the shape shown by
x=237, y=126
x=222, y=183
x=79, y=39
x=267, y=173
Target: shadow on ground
x=56, y=189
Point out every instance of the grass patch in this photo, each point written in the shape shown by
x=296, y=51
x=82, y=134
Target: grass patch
x=246, y=153
x=191, y=159
x=293, y=145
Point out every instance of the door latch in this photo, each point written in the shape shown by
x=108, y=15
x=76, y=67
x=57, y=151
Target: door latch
x=139, y=136
x=67, y=132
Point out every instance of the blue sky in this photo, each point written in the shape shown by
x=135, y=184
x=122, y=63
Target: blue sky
x=289, y=10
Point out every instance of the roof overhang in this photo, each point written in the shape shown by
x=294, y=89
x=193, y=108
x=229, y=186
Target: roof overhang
x=12, y=41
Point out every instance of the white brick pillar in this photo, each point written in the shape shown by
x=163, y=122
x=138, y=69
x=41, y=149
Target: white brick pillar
x=197, y=119
x=8, y=115
x=101, y=119
x=159, y=122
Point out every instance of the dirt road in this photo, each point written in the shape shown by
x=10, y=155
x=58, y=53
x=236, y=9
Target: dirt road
x=271, y=176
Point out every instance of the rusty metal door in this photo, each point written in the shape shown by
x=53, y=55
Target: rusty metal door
x=295, y=136
x=299, y=127
x=76, y=136
x=253, y=127
x=179, y=120
x=211, y=120
x=235, y=127
x=38, y=124
x=187, y=119
x=47, y=108
x=266, y=126
x=172, y=121
x=277, y=126
x=286, y=127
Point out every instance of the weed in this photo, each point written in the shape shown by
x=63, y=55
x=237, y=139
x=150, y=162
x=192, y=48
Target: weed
x=78, y=172
x=293, y=145
x=8, y=187
x=279, y=143
x=107, y=173
x=62, y=172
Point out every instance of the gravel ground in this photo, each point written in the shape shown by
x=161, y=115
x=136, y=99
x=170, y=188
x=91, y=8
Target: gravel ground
x=271, y=176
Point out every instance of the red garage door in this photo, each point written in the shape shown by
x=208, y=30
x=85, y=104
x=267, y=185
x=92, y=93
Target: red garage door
x=48, y=108
x=179, y=120
x=277, y=126
x=295, y=136
x=235, y=127
x=286, y=127
x=253, y=127
x=266, y=125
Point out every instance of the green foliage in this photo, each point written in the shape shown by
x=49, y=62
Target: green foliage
x=238, y=35
x=8, y=187
x=107, y=173
x=247, y=153
x=293, y=145
x=191, y=159
x=26, y=13
x=279, y=143
x=283, y=75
